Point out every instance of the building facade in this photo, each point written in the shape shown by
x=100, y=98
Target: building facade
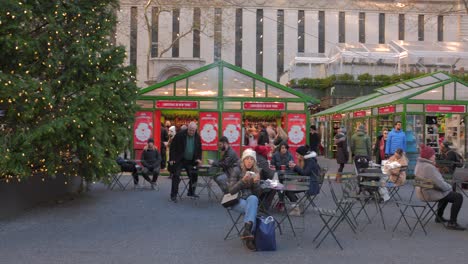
x=167, y=38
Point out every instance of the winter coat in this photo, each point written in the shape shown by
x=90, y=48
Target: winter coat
x=378, y=157
x=311, y=169
x=263, y=138
x=177, y=149
x=151, y=159
x=342, y=155
x=229, y=163
x=314, y=141
x=278, y=159
x=395, y=139
x=425, y=169
x=262, y=163
x=361, y=144
x=396, y=175
x=235, y=185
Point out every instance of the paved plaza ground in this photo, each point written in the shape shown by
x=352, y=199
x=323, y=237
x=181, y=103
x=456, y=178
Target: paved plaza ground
x=142, y=226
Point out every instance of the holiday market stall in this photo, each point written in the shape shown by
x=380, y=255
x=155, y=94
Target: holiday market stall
x=224, y=100
x=432, y=109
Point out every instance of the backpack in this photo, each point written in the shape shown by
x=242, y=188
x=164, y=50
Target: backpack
x=460, y=163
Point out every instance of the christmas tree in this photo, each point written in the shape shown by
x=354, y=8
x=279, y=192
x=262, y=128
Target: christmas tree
x=66, y=100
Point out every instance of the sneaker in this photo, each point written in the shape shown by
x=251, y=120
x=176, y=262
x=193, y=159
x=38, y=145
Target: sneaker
x=250, y=245
x=441, y=219
x=455, y=226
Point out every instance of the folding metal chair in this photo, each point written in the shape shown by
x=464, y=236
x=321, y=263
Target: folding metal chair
x=350, y=190
x=235, y=223
x=340, y=214
x=421, y=211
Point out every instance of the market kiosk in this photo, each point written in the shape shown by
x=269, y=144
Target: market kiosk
x=224, y=100
x=432, y=109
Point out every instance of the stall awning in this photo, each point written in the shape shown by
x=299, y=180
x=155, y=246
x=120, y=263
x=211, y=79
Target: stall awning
x=347, y=104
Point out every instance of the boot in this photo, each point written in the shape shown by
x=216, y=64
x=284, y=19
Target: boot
x=247, y=233
x=250, y=245
x=338, y=177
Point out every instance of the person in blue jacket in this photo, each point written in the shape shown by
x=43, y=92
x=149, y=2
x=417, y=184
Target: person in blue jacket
x=396, y=139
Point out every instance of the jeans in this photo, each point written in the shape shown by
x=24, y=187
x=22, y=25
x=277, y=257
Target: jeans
x=456, y=199
x=249, y=208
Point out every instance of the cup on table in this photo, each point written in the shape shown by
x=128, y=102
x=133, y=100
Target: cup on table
x=272, y=167
x=283, y=167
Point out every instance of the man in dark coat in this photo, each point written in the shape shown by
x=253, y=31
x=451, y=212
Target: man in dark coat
x=164, y=140
x=151, y=161
x=185, y=152
x=263, y=138
x=229, y=163
x=314, y=139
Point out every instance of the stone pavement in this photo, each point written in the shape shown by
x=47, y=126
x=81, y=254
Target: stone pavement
x=142, y=226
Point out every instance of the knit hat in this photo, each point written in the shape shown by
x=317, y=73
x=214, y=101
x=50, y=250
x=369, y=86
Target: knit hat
x=302, y=150
x=361, y=127
x=249, y=153
x=150, y=140
x=426, y=152
x=262, y=150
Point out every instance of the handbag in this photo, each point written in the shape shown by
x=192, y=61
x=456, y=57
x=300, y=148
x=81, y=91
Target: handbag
x=265, y=238
x=230, y=200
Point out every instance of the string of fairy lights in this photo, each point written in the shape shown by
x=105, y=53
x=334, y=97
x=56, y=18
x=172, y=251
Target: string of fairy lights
x=56, y=109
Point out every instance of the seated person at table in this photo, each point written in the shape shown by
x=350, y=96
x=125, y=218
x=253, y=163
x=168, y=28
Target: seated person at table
x=442, y=191
x=282, y=158
x=247, y=182
x=151, y=161
x=393, y=165
x=229, y=163
x=266, y=173
x=449, y=155
x=311, y=168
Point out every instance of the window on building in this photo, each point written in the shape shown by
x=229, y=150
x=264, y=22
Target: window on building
x=154, y=31
x=381, y=28
x=238, y=43
x=300, y=31
x=401, y=27
x=321, y=32
x=133, y=35
x=440, y=28
x=280, y=43
x=421, y=27
x=217, y=34
x=342, y=27
x=196, y=32
x=362, y=27
x=175, y=32
x=259, y=63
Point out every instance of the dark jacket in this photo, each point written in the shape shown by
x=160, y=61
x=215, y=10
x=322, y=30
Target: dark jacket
x=265, y=173
x=150, y=158
x=228, y=161
x=235, y=185
x=342, y=155
x=279, y=160
x=263, y=138
x=164, y=138
x=314, y=141
x=378, y=158
x=311, y=169
x=177, y=149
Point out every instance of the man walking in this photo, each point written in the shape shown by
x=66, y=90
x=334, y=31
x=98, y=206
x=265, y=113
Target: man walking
x=361, y=148
x=314, y=139
x=396, y=139
x=185, y=152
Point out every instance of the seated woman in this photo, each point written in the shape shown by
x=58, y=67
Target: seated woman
x=311, y=168
x=280, y=161
x=442, y=191
x=247, y=182
x=394, y=165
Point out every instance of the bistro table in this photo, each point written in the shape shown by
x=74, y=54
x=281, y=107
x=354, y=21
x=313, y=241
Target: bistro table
x=207, y=173
x=372, y=187
x=289, y=187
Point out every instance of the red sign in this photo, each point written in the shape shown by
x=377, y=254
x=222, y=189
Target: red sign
x=296, y=131
x=359, y=114
x=142, y=129
x=446, y=108
x=337, y=117
x=208, y=129
x=386, y=110
x=232, y=130
x=177, y=104
x=264, y=106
